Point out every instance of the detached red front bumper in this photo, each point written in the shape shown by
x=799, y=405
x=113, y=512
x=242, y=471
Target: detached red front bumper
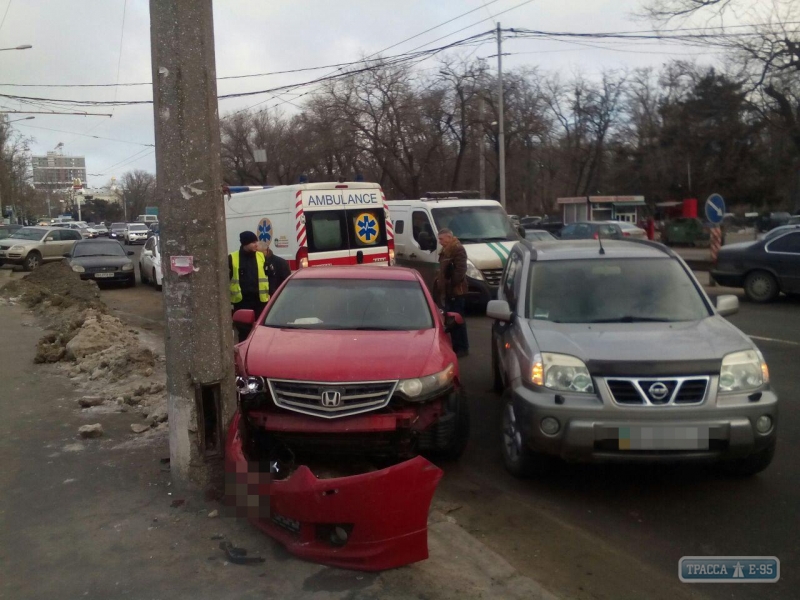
x=383, y=514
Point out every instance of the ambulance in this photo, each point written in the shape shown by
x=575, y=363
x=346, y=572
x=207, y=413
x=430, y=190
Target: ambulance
x=482, y=226
x=314, y=224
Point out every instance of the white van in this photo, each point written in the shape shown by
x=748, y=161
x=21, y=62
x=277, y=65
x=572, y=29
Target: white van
x=147, y=219
x=314, y=224
x=482, y=226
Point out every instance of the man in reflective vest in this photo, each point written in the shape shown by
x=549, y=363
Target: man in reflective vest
x=249, y=287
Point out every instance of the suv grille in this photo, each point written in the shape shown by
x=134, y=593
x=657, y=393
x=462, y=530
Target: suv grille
x=657, y=392
x=492, y=276
x=331, y=400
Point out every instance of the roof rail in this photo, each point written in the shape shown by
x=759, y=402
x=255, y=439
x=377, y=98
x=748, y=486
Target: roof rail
x=657, y=245
x=454, y=195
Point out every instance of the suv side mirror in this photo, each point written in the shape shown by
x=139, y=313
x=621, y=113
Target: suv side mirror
x=727, y=305
x=244, y=316
x=498, y=309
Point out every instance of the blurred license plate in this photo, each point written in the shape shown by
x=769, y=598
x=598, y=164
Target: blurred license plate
x=103, y=275
x=663, y=438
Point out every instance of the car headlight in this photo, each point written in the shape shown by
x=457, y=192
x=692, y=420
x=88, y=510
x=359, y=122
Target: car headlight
x=16, y=248
x=561, y=372
x=128, y=267
x=250, y=385
x=473, y=271
x=743, y=371
x=78, y=269
x=423, y=388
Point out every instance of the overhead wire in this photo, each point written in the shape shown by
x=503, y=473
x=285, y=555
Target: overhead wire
x=5, y=14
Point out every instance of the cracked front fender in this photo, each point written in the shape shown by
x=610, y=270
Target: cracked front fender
x=370, y=522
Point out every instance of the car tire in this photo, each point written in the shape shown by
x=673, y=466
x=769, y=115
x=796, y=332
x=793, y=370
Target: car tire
x=454, y=447
x=33, y=260
x=520, y=460
x=497, y=377
x=753, y=464
x=155, y=281
x=761, y=286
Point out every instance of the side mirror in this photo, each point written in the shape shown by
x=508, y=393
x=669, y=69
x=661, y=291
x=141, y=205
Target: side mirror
x=727, y=305
x=452, y=319
x=130, y=253
x=244, y=316
x=498, y=309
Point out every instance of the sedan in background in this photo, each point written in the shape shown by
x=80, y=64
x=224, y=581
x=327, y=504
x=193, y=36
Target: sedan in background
x=539, y=235
x=764, y=268
x=102, y=260
x=102, y=230
x=150, y=263
x=587, y=230
x=117, y=231
x=629, y=230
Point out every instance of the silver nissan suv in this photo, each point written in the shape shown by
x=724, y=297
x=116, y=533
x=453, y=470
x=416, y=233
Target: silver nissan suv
x=611, y=351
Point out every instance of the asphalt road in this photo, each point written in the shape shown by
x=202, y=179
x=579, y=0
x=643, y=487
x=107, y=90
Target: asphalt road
x=611, y=532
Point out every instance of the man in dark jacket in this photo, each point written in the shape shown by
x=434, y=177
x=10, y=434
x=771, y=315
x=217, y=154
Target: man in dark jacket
x=249, y=288
x=452, y=286
x=278, y=270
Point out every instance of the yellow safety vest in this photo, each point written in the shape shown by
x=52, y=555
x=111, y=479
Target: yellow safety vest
x=263, y=282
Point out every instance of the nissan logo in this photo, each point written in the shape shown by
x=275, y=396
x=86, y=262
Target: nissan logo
x=330, y=399
x=658, y=391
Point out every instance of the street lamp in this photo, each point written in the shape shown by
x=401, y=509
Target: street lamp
x=17, y=120
x=23, y=47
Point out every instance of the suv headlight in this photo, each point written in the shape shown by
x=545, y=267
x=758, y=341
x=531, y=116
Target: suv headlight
x=423, y=388
x=473, y=271
x=78, y=269
x=16, y=249
x=743, y=371
x=561, y=372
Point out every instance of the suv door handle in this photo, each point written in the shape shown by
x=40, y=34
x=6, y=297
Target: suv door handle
x=412, y=255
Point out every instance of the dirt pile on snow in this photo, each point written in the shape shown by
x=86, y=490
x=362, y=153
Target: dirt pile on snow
x=54, y=285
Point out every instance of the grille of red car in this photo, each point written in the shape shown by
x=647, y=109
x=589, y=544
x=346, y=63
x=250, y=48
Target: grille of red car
x=331, y=400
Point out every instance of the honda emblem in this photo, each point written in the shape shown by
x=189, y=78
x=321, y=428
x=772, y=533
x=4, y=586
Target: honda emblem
x=331, y=399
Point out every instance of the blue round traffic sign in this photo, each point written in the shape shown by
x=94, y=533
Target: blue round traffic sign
x=715, y=208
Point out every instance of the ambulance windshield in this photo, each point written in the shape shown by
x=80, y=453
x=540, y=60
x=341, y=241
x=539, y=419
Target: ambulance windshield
x=353, y=304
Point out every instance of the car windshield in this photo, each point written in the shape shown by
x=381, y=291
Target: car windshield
x=357, y=304
x=613, y=291
x=28, y=233
x=98, y=249
x=138, y=227
x=475, y=224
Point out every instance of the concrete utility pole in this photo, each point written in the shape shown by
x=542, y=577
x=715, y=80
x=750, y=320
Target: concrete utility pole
x=199, y=342
x=501, y=135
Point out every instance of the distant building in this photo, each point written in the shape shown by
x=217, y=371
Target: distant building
x=57, y=171
x=602, y=208
x=113, y=196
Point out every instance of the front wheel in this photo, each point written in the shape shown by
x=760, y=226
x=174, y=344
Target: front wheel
x=33, y=260
x=760, y=286
x=520, y=460
x=452, y=431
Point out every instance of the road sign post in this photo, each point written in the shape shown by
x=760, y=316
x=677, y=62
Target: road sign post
x=715, y=213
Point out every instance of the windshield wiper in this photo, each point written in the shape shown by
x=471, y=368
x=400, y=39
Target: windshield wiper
x=631, y=319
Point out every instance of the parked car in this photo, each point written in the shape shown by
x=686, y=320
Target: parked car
x=150, y=263
x=764, y=268
x=32, y=246
x=686, y=231
x=7, y=230
x=770, y=220
x=553, y=225
x=586, y=230
x=619, y=356
x=102, y=260
x=530, y=222
x=135, y=233
x=795, y=220
x=152, y=230
x=102, y=230
x=629, y=230
x=117, y=231
x=539, y=235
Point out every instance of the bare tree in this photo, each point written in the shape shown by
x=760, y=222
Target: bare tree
x=138, y=191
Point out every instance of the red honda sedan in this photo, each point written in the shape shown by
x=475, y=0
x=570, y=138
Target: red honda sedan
x=345, y=364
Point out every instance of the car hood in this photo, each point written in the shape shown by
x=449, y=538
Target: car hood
x=100, y=261
x=8, y=242
x=738, y=247
x=703, y=342
x=333, y=356
x=491, y=255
